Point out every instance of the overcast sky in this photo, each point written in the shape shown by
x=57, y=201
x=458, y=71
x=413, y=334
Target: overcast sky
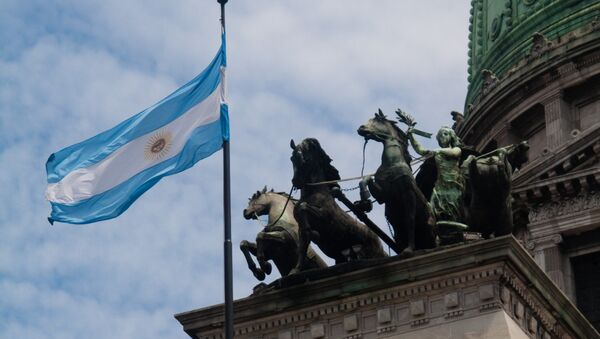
x=70, y=69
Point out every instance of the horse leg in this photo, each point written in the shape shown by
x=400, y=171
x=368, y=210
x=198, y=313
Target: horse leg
x=261, y=256
x=314, y=260
x=376, y=190
x=505, y=220
x=279, y=248
x=409, y=203
x=424, y=220
x=477, y=210
x=248, y=248
x=304, y=233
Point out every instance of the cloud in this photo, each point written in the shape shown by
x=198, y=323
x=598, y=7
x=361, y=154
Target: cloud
x=71, y=69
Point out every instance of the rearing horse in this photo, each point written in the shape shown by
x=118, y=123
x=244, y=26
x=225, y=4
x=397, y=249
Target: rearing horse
x=406, y=208
x=278, y=241
x=320, y=219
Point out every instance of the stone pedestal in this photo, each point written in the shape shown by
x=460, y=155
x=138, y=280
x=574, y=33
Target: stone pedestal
x=487, y=289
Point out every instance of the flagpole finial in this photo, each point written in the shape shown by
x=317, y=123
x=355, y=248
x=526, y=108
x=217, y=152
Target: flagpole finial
x=222, y=2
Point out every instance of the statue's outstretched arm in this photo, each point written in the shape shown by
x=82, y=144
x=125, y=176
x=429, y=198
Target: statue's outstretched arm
x=415, y=144
x=453, y=152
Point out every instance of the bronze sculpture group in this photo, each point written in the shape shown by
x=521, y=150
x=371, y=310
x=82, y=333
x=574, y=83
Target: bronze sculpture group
x=456, y=191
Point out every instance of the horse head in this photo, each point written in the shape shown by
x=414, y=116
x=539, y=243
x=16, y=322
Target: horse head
x=379, y=128
x=308, y=160
x=258, y=204
x=518, y=155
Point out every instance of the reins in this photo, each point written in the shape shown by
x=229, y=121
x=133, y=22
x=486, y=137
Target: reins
x=362, y=169
x=339, y=180
x=414, y=161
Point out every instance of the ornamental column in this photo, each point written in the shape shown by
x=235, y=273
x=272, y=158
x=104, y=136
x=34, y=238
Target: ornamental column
x=558, y=120
x=547, y=254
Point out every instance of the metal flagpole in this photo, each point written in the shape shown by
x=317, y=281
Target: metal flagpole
x=227, y=218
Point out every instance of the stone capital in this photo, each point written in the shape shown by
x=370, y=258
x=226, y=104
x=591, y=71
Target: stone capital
x=544, y=242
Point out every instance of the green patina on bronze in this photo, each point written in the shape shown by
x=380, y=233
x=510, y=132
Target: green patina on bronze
x=501, y=31
x=446, y=198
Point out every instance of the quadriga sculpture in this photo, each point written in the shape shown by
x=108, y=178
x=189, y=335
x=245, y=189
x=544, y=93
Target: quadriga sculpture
x=488, y=178
x=320, y=219
x=406, y=208
x=278, y=241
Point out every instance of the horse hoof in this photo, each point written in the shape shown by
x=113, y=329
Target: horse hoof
x=266, y=267
x=407, y=252
x=260, y=275
x=314, y=236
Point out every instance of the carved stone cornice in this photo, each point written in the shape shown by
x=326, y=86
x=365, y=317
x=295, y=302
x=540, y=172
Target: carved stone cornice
x=584, y=148
x=565, y=208
x=467, y=283
x=540, y=45
x=558, y=189
x=490, y=81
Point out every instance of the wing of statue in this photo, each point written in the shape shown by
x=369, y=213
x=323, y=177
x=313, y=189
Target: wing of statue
x=426, y=177
x=466, y=151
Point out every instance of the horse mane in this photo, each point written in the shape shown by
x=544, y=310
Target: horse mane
x=402, y=137
x=322, y=159
x=264, y=191
x=287, y=196
x=517, y=156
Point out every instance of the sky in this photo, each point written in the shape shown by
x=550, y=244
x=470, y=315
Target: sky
x=70, y=69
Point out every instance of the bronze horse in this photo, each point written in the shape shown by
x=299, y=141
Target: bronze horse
x=406, y=209
x=488, y=178
x=320, y=219
x=278, y=241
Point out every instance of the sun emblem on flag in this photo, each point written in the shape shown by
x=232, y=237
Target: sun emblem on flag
x=158, y=145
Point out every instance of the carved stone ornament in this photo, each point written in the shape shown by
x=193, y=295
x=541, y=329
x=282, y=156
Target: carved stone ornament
x=540, y=45
x=490, y=81
x=595, y=25
x=458, y=120
x=544, y=242
x=565, y=207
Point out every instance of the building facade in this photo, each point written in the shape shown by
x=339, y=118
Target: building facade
x=534, y=74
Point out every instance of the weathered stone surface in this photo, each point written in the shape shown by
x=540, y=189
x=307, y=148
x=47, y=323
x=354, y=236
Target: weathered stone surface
x=417, y=307
x=317, y=331
x=384, y=315
x=486, y=292
x=451, y=300
x=351, y=323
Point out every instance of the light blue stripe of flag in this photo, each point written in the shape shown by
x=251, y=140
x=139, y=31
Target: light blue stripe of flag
x=93, y=150
x=204, y=141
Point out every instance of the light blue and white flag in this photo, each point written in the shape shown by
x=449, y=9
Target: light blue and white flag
x=99, y=178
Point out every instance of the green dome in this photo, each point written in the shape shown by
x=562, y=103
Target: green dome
x=501, y=33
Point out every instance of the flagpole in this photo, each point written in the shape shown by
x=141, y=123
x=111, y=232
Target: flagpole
x=227, y=219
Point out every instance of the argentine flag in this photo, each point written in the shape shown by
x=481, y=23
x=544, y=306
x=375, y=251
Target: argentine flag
x=99, y=178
